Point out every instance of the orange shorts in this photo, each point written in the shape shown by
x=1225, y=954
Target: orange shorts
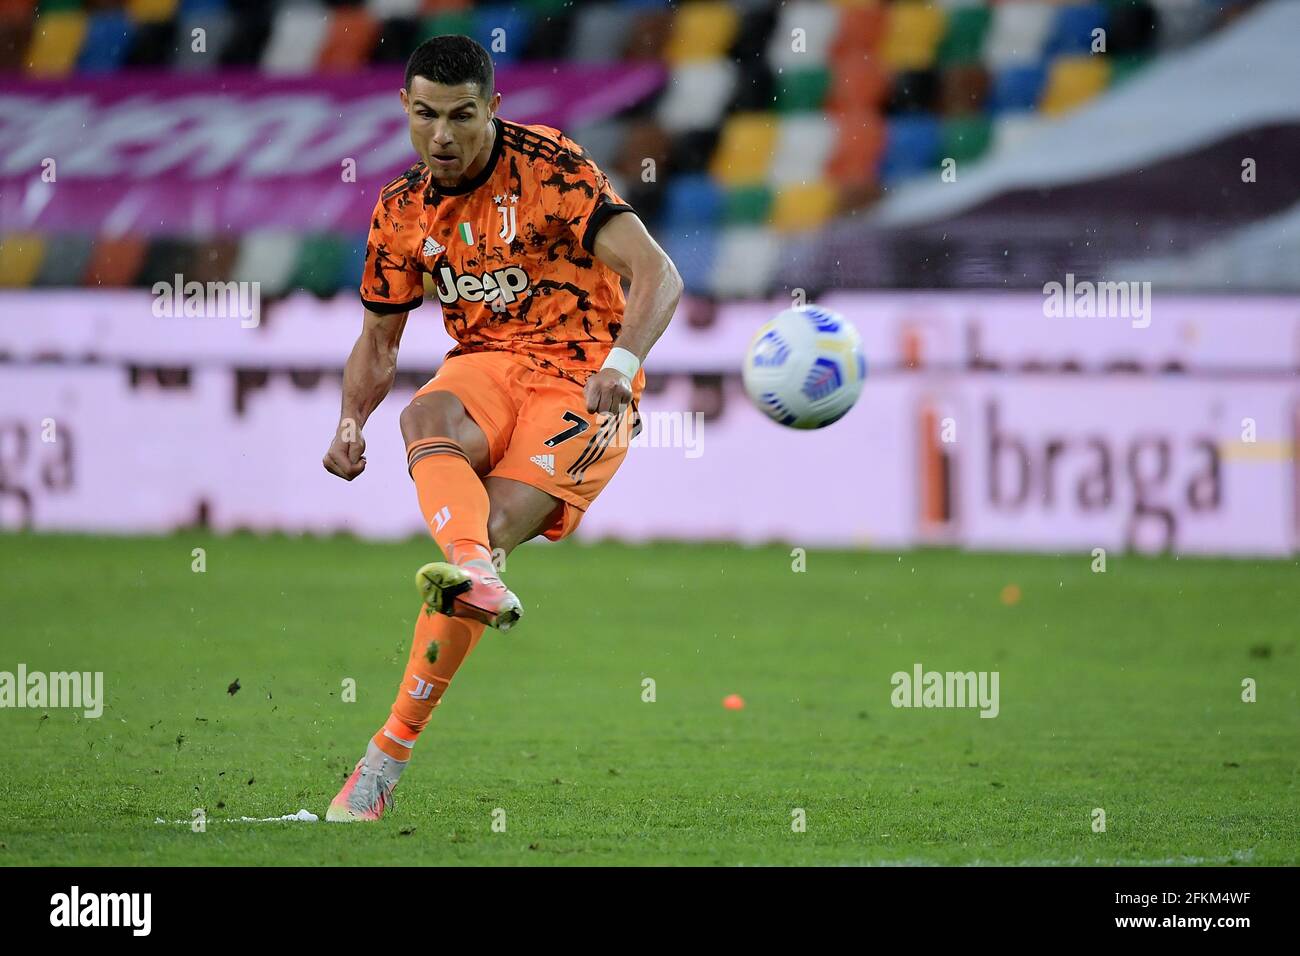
x=538, y=428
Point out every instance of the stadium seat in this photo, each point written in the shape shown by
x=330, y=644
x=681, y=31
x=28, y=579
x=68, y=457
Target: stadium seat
x=151, y=11
x=502, y=29
x=352, y=262
x=804, y=143
x=803, y=206
x=397, y=40
x=1131, y=28
x=1073, y=81
x=963, y=89
x=913, y=91
x=857, y=83
x=1181, y=22
x=20, y=258
x=911, y=147
x=801, y=90
x=693, y=201
x=108, y=38
x=753, y=33
x=745, y=151
x=56, y=41
x=859, y=150
x=912, y=34
x=214, y=260
x=351, y=37
x=219, y=29
x=694, y=252
x=645, y=141
x=691, y=151
x=1017, y=88
x=1017, y=34
x=451, y=20
x=702, y=31
x=803, y=35
x=755, y=88
x=648, y=35
x=297, y=36
x=15, y=39
x=748, y=206
x=1126, y=65
x=964, y=39
x=153, y=44
x=697, y=95
x=65, y=260
x=860, y=32
x=166, y=257
x=115, y=261
x=966, y=138
x=745, y=264
x=603, y=140
x=320, y=262
x=600, y=32
x=1071, y=31
x=268, y=257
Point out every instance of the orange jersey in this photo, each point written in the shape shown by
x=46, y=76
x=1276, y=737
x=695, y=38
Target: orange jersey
x=508, y=253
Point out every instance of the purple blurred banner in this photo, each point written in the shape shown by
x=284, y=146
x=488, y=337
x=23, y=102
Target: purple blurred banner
x=984, y=424
x=177, y=154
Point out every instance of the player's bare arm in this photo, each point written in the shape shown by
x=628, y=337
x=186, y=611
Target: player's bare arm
x=625, y=246
x=367, y=378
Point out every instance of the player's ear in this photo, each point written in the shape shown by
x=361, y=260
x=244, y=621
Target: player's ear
x=493, y=104
x=406, y=100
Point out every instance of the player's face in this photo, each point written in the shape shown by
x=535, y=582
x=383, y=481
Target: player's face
x=450, y=127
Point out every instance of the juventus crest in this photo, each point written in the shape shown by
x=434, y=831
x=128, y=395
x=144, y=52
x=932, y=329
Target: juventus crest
x=509, y=217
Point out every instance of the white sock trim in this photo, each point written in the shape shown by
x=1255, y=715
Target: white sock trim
x=408, y=744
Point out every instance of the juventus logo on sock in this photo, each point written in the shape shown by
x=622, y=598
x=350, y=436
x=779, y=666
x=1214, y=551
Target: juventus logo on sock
x=442, y=517
x=422, y=689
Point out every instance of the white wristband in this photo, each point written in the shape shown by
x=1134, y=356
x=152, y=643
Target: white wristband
x=622, y=360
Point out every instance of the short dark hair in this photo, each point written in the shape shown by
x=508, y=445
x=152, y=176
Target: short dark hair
x=451, y=60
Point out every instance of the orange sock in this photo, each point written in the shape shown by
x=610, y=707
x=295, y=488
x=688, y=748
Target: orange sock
x=452, y=497
x=425, y=682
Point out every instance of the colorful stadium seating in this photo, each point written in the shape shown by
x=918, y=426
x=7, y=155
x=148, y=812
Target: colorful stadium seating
x=774, y=118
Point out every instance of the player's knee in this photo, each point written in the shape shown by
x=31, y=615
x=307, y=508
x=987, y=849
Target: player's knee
x=435, y=414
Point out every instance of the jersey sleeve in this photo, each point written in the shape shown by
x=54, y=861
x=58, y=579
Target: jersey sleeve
x=587, y=200
x=392, y=280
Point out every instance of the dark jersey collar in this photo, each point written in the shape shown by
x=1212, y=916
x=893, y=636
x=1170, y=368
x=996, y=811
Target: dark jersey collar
x=483, y=175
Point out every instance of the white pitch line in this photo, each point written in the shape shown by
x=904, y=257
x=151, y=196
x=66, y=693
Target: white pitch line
x=302, y=816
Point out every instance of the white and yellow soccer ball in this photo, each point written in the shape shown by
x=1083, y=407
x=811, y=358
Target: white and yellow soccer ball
x=804, y=368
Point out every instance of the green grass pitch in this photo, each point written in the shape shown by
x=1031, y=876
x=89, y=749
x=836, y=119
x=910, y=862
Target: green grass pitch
x=1120, y=691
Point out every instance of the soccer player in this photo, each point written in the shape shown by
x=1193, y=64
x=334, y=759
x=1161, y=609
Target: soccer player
x=523, y=241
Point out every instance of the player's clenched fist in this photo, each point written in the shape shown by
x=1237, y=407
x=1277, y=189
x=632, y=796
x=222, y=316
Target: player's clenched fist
x=608, y=391
x=347, y=459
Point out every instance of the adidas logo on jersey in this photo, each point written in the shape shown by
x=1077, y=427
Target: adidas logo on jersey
x=545, y=462
x=432, y=247
x=503, y=285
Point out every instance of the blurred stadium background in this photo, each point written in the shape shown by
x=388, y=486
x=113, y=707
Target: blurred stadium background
x=928, y=168
x=933, y=170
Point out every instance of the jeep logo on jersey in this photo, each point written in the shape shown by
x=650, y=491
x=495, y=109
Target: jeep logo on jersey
x=500, y=284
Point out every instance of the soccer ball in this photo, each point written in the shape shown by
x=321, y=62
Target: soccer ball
x=805, y=368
